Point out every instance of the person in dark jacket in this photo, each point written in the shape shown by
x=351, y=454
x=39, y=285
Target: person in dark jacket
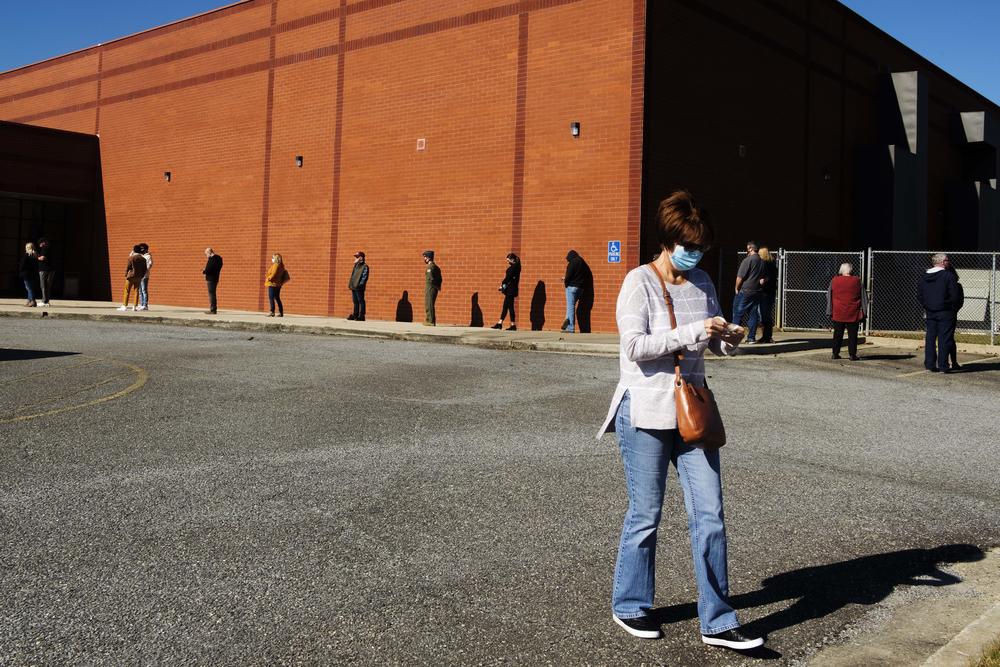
x=213, y=267
x=938, y=293
x=509, y=288
x=846, y=305
x=46, y=269
x=432, y=286
x=28, y=271
x=357, y=284
x=769, y=292
x=953, y=353
x=575, y=279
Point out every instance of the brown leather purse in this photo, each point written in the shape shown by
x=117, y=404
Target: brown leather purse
x=698, y=420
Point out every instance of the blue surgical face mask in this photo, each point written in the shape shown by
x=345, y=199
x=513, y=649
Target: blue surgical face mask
x=685, y=260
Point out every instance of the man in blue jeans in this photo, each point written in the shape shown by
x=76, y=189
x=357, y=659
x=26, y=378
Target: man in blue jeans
x=576, y=277
x=749, y=291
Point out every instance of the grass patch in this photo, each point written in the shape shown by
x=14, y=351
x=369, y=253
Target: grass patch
x=990, y=658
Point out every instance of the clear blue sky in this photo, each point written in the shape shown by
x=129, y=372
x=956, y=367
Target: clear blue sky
x=961, y=36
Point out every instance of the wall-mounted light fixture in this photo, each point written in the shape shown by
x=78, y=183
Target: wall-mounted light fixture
x=421, y=144
x=167, y=176
x=299, y=161
x=741, y=150
x=574, y=129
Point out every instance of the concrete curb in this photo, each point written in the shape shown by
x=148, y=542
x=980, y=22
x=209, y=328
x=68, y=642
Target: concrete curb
x=969, y=643
x=473, y=340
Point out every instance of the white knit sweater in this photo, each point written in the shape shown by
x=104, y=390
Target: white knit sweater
x=647, y=344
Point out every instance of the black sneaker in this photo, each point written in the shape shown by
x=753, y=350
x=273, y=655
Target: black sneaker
x=352, y=317
x=835, y=356
x=734, y=639
x=642, y=627
x=497, y=326
x=512, y=327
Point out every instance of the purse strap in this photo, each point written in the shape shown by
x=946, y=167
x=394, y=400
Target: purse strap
x=673, y=319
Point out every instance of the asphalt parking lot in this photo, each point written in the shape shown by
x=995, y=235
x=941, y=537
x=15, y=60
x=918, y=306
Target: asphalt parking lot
x=185, y=496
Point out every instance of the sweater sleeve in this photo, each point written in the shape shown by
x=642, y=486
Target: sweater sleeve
x=637, y=342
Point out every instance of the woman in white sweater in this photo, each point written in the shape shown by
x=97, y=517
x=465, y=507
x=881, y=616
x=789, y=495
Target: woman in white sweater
x=643, y=415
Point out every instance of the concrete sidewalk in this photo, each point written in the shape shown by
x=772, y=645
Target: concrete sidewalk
x=602, y=344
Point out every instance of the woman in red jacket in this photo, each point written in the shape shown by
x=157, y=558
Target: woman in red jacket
x=846, y=305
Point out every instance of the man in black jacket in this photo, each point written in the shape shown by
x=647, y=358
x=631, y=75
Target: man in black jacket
x=213, y=267
x=575, y=280
x=938, y=293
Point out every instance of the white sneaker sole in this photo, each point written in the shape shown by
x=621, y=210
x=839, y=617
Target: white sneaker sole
x=739, y=646
x=641, y=634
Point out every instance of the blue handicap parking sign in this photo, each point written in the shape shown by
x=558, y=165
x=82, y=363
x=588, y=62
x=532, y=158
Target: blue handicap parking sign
x=614, y=252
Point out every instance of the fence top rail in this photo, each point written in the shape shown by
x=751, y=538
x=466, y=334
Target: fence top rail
x=826, y=252
x=932, y=252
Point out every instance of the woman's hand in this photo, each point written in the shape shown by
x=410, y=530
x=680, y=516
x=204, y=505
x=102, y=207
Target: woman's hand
x=715, y=326
x=734, y=334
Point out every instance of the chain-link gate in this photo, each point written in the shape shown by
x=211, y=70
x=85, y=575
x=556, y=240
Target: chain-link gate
x=894, y=279
x=806, y=277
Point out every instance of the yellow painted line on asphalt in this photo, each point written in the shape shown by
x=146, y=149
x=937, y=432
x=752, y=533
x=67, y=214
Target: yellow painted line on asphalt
x=88, y=362
x=141, y=377
x=78, y=390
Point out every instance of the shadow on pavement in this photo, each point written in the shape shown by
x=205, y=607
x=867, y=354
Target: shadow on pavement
x=978, y=367
x=886, y=357
x=24, y=355
x=825, y=589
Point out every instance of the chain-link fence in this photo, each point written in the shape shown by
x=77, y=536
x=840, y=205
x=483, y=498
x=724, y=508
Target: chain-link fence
x=895, y=276
x=891, y=279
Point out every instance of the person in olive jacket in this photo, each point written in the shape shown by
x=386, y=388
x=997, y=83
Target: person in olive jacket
x=432, y=286
x=28, y=271
x=509, y=288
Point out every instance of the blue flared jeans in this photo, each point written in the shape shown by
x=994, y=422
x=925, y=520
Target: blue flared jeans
x=646, y=455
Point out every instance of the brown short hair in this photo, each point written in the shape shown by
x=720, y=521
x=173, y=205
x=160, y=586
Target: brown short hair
x=679, y=220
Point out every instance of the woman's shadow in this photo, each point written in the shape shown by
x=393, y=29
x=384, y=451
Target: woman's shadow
x=825, y=589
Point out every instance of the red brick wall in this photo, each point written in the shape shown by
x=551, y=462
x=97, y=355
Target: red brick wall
x=225, y=102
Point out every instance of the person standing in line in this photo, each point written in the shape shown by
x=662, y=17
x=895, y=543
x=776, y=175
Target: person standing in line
x=144, y=285
x=46, y=270
x=213, y=267
x=357, y=284
x=432, y=287
x=937, y=292
x=953, y=353
x=643, y=415
x=135, y=270
x=274, y=279
x=28, y=270
x=509, y=289
x=768, y=293
x=574, y=281
x=748, y=291
x=846, y=305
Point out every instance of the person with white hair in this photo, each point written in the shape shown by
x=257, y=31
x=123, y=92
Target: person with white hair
x=846, y=305
x=938, y=293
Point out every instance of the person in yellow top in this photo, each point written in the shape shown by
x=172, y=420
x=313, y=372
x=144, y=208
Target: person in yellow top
x=275, y=277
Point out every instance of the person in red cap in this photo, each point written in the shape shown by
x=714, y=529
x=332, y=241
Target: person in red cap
x=359, y=279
